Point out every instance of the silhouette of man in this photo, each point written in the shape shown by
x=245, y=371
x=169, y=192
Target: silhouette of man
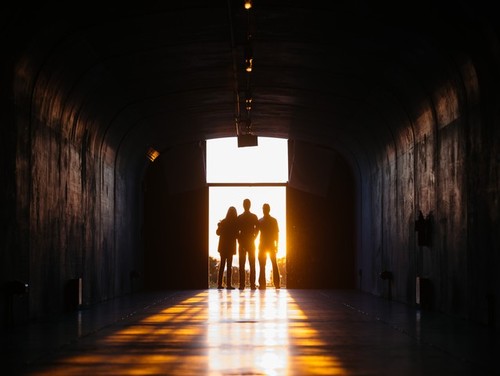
x=248, y=225
x=268, y=243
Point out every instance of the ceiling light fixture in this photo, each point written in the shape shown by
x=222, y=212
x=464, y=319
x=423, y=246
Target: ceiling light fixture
x=243, y=125
x=248, y=102
x=248, y=54
x=248, y=64
x=247, y=138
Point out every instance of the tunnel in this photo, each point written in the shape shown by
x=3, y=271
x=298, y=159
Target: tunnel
x=390, y=112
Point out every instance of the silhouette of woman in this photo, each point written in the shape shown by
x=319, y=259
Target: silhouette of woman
x=227, y=229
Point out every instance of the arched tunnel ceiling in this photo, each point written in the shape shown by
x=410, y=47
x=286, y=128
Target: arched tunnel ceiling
x=350, y=75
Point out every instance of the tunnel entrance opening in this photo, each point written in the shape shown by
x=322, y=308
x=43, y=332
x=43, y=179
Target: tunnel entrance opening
x=258, y=173
x=220, y=198
x=320, y=230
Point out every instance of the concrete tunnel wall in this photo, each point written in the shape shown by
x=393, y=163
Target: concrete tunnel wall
x=444, y=163
x=78, y=209
x=72, y=196
x=72, y=192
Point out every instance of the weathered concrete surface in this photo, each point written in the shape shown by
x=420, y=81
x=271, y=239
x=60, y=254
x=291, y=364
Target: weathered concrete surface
x=448, y=173
x=412, y=107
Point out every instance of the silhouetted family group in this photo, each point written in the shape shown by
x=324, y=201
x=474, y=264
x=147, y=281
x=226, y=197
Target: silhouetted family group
x=242, y=230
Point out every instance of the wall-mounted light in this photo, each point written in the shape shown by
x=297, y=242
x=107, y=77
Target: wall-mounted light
x=152, y=154
x=248, y=4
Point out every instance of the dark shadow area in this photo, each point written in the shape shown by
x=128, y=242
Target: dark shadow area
x=321, y=226
x=37, y=346
x=410, y=340
x=175, y=222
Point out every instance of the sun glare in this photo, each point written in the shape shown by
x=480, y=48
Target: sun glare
x=221, y=198
x=227, y=164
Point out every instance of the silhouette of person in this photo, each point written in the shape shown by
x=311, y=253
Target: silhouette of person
x=227, y=229
x=268, y=244
x=248, y=225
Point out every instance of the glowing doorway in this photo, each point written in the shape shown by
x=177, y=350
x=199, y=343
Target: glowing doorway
x=259, y=173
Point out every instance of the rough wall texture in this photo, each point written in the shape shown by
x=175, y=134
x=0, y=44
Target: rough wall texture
x=483, y=183
x=80, y=223
x=71, y=169
x=450, y=173
x=75, y=210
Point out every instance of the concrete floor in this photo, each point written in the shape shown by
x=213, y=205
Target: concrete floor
x=269, y=332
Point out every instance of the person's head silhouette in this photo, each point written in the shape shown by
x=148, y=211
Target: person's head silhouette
x=231, y=212
x=246, y=204
x=266, y=209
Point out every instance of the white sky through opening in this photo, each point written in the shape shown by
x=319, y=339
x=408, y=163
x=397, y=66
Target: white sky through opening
x=265, y=163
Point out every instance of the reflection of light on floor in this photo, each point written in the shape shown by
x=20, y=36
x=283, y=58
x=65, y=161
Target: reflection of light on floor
x=264, y=333
x=212, y=333
x=161, y=343
x=310, y=354
x=247, y=333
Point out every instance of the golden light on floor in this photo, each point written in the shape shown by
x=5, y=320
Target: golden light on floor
x=212, y=333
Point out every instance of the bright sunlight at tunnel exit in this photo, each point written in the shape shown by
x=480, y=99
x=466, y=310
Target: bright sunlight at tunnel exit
x=258, y=173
